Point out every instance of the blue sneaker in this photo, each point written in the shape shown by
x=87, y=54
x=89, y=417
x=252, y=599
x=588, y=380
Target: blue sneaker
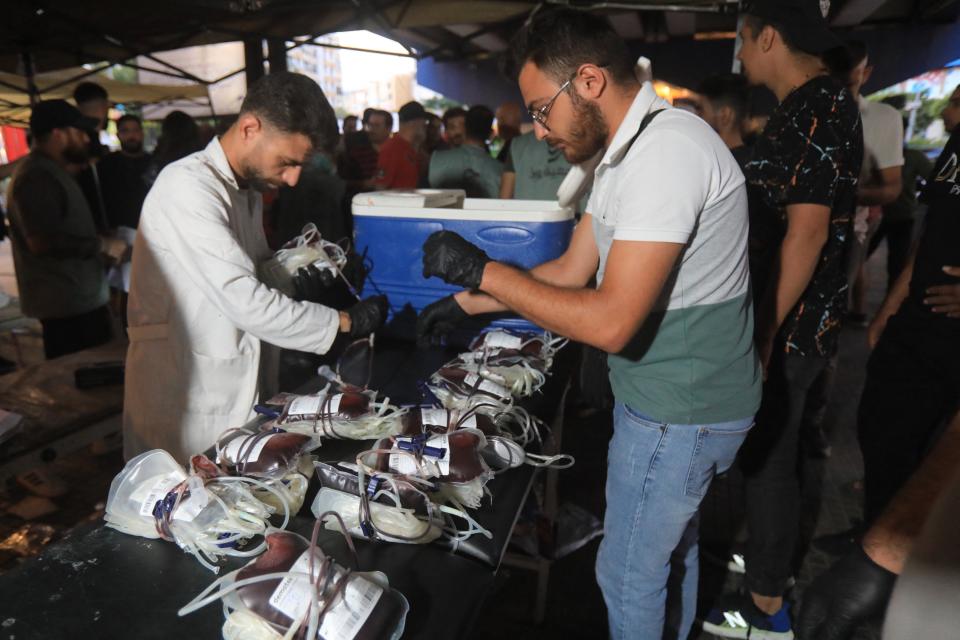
x=735, y=616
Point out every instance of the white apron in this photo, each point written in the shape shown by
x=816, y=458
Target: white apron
x=197, y=312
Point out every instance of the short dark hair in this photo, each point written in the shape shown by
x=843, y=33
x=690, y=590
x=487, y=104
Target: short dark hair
x=294, y=104
x=479, y=122
x=757, y=24
x=858, y=51
x=559, y=41
x=453, y=112
x=88, y=92
x=349, y=117
x=369, y=111
x=386, y=115
x=727, y=90
x=129, y=117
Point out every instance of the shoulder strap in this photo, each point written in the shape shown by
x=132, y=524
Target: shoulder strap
x=647, y=119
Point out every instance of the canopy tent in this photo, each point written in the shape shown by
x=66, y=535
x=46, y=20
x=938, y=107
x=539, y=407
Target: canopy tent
x=46, y=35
x=15, y=107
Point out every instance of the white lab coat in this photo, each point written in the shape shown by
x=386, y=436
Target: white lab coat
x=197, y=312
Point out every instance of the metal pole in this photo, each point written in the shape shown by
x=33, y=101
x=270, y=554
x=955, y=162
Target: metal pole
x=253, y=57
x=277, y=54
x=26, y=59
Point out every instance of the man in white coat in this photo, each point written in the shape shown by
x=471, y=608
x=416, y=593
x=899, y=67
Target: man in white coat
x=197, y=311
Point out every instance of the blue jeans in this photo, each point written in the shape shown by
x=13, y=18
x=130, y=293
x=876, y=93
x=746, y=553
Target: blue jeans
x=657, y=474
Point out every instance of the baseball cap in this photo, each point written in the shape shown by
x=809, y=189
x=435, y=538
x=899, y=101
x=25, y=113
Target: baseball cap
x=412, y=111
x=58, y=114
x=801, y=21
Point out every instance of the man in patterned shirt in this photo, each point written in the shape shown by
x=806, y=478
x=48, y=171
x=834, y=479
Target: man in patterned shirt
x=804, y=171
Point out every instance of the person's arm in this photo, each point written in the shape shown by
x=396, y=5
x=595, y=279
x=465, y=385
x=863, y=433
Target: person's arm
x=807, y=230
x=889, y=540
x=884, y=190
x=6, y=170
x=606, y=317
x=508, y=180
x=857, y=587
x=572, y=269
x=945, y=298
x=891, y=304
x=190, y=222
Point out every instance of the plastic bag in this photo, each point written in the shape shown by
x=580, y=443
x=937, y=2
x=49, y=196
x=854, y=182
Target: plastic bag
x=295, y=587
x=519, y=362
x=346, y=415
x=309, y=248
x=154, y=497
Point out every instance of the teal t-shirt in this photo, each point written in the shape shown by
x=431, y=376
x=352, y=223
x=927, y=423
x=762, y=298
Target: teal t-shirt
x=540, y=168
x=466, y=167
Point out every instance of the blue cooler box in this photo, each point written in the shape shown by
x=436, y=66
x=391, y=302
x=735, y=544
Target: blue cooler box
x=390, y=228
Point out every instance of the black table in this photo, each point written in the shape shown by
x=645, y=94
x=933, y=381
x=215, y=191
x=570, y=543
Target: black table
x=100, y=583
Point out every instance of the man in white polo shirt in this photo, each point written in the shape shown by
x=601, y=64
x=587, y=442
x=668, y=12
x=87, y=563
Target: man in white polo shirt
x=665, y=234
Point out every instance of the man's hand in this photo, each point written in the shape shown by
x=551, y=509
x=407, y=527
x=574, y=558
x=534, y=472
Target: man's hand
x=438, y=319
x=945, y=298
x=114, y=248
x=451, y=258
x=367, y=316
x=853, y=590
x=310, y=283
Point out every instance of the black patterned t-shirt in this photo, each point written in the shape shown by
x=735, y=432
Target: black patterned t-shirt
x=809, y=153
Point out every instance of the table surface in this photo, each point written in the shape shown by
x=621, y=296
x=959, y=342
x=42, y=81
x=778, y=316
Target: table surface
x=100, y=583
x=50, y=402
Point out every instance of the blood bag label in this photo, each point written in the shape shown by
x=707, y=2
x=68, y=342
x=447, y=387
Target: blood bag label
x=435, y=417
x=315, y=405
x=501, y=340
x=344, y=619
x=241, y=448
x=486, y=385
x=405, y=463
x=292, y=596
x=159, y=489
x=191, y=506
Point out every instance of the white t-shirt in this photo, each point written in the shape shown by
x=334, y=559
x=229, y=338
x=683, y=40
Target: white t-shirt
x=882, y=137
x=693, y=361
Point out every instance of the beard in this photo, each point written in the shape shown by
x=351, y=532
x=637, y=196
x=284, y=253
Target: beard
x=588, y=134
x=255, y=180
x=132, y=147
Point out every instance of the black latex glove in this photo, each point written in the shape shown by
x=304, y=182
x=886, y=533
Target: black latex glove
x=438, y=319
x=451, y=258
x=367, y=316
x=310, y=283
x=855, y=589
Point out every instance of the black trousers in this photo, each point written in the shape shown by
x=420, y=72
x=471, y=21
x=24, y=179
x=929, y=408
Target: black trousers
x=75, y=333
x=899, y=235
x=912, y=388
x=769, y=460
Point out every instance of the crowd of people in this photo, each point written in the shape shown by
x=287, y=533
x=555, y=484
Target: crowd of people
x=715, y=262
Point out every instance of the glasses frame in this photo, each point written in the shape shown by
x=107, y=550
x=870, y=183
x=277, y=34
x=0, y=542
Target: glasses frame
x=540, y=115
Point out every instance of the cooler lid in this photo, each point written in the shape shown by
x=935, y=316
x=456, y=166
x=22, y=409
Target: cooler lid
x=411, y=198
x=475, y=210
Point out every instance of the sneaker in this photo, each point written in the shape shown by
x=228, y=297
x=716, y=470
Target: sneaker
x=738, y=564
x=735, y=616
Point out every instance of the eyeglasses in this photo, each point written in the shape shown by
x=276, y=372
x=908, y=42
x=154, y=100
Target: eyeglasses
x=540, y=115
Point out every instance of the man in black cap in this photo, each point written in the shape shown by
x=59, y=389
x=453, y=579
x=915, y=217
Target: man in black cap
x=56, y=249
x=804, y=173
x=401, y=164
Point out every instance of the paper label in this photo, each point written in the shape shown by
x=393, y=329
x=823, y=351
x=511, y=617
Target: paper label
x=501, y=340
x=347, y=617
x=231, y=453
x=311, y=405
x=405, y=463
x=344, y=619
x=486, y=385
x=434, y=417
x=189, y=507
